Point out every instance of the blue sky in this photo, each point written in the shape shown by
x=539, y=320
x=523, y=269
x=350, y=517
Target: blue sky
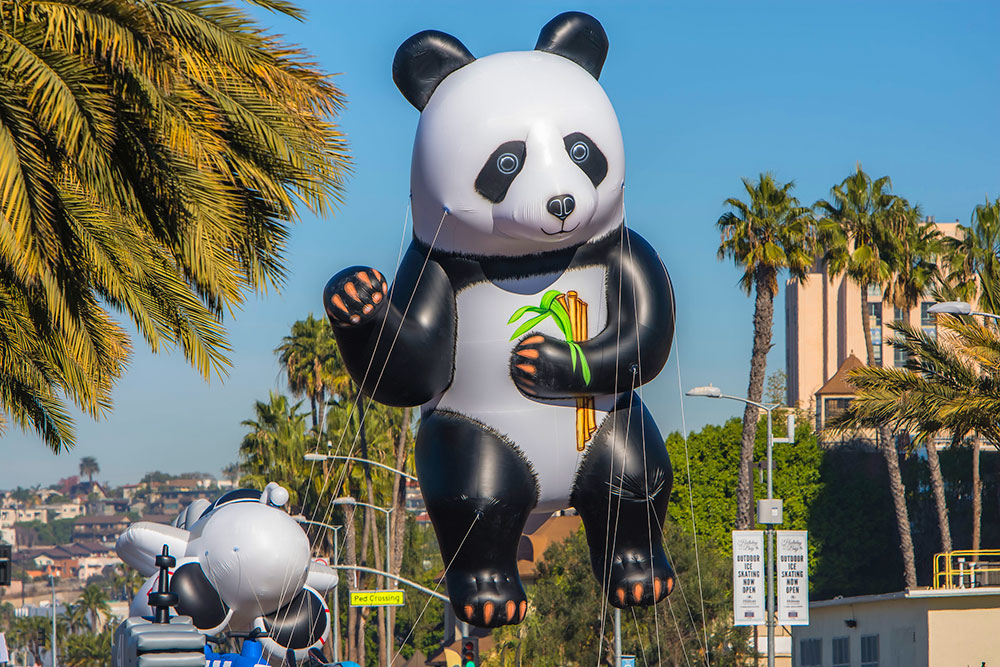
x=706, y=93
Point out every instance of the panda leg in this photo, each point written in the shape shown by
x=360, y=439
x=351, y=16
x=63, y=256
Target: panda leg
x=478, y=490
x=621, y=492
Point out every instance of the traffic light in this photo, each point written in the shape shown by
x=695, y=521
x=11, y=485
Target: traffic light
x=5, y=564
x=470, y=651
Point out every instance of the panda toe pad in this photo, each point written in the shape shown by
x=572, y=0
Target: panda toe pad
x=354, y=295
x=487, y=598
x=634, y=581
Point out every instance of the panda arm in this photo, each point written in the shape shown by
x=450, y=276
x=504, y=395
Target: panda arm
x=400, y=350
x=637, y=337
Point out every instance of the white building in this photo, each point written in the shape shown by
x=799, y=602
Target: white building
x=920, y=627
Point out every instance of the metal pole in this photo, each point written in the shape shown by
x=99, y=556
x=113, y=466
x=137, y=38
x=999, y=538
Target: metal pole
x=770, y=549
x=336, y=598
x=52, y=581
x=618, y=637
x=388, y=568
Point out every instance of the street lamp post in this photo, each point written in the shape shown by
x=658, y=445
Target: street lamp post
x=52, y=582
x=348, y=500
x=958, y=308
x=336, y=591
x=313, y=456
x=773, y=508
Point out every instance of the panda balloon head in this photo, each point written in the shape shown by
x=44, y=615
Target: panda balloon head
x=535, y=128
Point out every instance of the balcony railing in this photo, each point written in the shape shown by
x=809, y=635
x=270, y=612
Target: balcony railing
x=967, y=568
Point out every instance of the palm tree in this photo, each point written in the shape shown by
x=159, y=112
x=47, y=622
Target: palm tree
x=859, y=228
x=274, y=448
x=769, y=233
x=310, y=359
x=951, y=382
x=89, y=467
x=975, y=255
x=152, y=155
x=94, y=601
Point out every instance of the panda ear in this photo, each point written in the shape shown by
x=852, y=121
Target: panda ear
x=423, y=61
x=577, y=36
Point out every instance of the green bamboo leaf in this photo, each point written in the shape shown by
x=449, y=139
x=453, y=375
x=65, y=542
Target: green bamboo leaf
x=562, y=319
x=527, y=326
x=572, y=353
x=548, y=298
x=584, y=366
x=519, y=313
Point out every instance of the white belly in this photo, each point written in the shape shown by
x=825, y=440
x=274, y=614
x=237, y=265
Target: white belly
x=544, y=431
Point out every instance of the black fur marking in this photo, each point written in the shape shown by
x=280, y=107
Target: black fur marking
x=577, y=36
x=585, y=153
x=423, y=61
x=500, y=170
x=197, y=597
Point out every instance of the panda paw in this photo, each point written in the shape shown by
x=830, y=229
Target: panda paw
x=355, y=295
x=487, y=598
x=635, y=581
x=542, y=367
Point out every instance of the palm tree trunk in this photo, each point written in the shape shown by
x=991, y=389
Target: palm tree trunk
x=937, y=486
x=866, y=324
x=977, y=493
x=898, y=492
x=763, y=318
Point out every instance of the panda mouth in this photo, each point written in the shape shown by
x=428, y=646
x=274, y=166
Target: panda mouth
x=561, y=231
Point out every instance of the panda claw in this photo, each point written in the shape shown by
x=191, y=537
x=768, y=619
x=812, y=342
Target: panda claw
x=523, y=609
x=351, y=291
x=363, y=277
x=511, y=609
x=488, y=612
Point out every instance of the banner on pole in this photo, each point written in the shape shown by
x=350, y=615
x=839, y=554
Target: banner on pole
x=748, y=577
x=793, y=577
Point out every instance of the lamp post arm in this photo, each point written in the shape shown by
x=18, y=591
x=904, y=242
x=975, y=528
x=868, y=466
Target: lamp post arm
x=747, y=400
x=422, y=589
x=341, y=457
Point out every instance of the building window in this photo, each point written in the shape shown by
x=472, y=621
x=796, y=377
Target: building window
x=899, y=356
x=875, y=323
x=900, y=315
x=834, y=407
x=927, y=321
x=812, y=653
x=841, y=652
x=869, y=651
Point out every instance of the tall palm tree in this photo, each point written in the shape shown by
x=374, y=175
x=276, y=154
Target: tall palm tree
x=859, y=229
x=89, y=467
x=274, y=448
x=94, y=601
x=311, y=361
x=975, y=258
x=951, y=382
x=768, y=233
x=152, y=155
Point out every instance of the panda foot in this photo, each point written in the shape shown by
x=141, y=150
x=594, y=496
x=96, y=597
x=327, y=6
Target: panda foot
x=487, y=598
x=354, y=295
x=635, y=582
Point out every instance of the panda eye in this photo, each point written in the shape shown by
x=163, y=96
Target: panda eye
x=500, y=170
x=508, y=163
x=585, y=153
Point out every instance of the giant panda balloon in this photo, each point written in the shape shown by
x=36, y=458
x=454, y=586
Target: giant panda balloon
x=522, y=318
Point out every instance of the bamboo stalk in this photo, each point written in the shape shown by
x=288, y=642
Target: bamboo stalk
x=586, y=419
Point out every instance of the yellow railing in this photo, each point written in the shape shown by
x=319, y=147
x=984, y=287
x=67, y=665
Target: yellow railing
x=967, y=568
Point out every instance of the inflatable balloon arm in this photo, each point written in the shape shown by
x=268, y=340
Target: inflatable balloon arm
x=144, y=538
x=400, y=363
x=640, y=303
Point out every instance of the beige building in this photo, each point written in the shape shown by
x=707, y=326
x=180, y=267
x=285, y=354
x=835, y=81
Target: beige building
x=823, y=328
x=920, y=627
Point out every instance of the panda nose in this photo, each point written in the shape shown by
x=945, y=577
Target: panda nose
x=561, y=206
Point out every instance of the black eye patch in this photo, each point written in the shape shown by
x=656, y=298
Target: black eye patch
x=587, y=156
x=500, y=170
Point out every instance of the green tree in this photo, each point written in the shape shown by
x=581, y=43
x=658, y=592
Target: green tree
x=565, y=627
x=860, y=227
x=769, y=233
x=311, y=361
x=274, y=448
x=975, y=258
x=152, y=155
x=94, y=601
x=89, y=467
x=950, y=383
